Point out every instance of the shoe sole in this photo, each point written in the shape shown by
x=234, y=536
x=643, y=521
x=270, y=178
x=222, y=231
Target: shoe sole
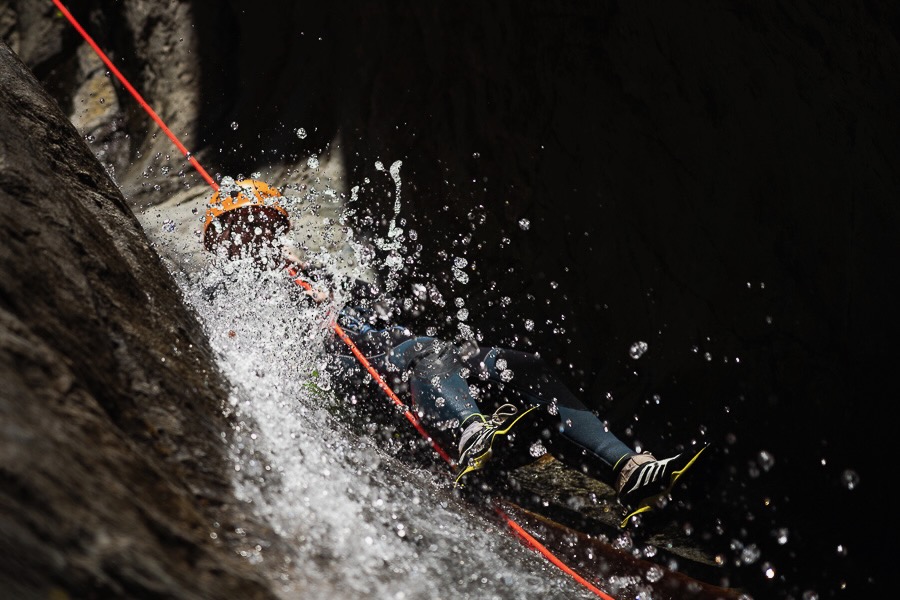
x=477, y=463
x=648, y=504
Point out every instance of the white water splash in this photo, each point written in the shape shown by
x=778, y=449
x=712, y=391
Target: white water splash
x=393, y=245
x=360, y=522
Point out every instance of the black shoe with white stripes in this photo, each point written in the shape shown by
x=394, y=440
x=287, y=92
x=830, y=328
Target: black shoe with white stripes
x=644, y=481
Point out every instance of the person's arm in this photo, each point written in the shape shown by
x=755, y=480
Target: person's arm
x=293, y=261
x=363, y=295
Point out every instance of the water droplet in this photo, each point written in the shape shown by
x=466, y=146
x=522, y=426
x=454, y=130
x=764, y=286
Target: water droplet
x=460, y=263
x=506, y=375
x=537, y=449
x=766, y=460
x=313, y=162
x=781, y=535
x=168, y=226
x=524, y=224
x=234, y=125
x=529, y=325
x=654, y=573
x=462, y=314
x=750, y=554
x=849, y=479
x=638, y=349
x=301, y=133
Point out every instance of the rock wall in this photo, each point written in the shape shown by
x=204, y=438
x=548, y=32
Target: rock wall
x=113, y=474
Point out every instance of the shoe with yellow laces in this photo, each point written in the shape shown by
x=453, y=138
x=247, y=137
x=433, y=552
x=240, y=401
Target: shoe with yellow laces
x=477, y=440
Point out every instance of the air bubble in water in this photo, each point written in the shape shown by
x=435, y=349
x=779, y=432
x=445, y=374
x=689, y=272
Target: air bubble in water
x=301, y=133
x=524, y=224
x=529, y=325
x=313, y=162
x=234, y=125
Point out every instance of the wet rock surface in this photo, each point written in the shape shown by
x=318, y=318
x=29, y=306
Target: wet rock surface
x=113, y=469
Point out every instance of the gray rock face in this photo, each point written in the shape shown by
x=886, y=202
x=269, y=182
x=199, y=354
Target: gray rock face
x=112, y=470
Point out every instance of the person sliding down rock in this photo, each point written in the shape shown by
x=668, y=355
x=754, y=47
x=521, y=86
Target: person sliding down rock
x=245, y=219
x=438, y=375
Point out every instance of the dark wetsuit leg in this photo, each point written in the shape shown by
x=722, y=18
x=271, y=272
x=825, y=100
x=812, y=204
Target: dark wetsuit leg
x=536, y=384
x=436, y=385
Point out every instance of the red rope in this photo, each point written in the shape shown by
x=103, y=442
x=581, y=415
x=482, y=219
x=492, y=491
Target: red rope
x=531, y=541
x=136, y=95
x=410, y=416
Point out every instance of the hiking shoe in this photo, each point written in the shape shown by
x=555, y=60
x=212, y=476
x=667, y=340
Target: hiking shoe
x=644, y=480
x=476, y=442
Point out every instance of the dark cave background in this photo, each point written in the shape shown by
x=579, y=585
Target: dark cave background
x=718, y=181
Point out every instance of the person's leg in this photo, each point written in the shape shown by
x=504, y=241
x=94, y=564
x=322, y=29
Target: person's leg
x=529, y=376
x=436, y=385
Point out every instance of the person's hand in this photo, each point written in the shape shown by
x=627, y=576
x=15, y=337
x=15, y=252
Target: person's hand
x=291, y=256
x=318, y=296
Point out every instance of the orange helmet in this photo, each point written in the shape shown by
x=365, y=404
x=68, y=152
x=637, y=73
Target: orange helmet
x=244, y=216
